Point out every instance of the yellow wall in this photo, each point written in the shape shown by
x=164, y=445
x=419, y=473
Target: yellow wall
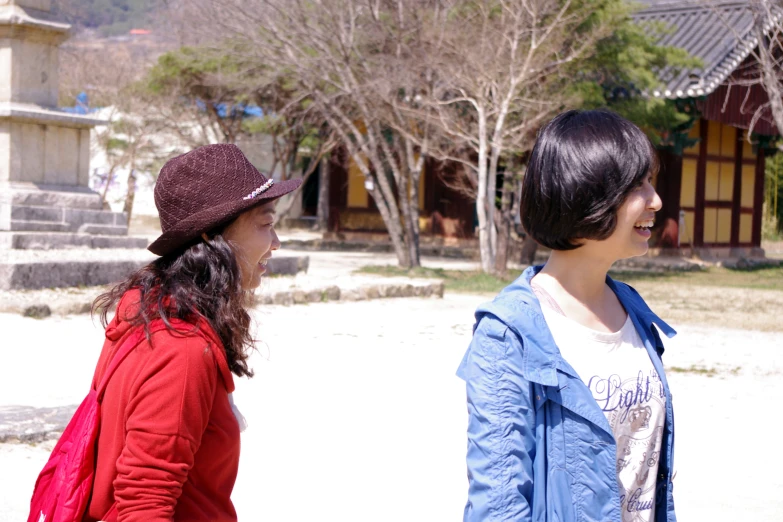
x=717, y=225
x=728, y=142
x=688, y=183
x=746, y=228
x=694, y=133
x=357, y=194
x=724, y=225
x=719, y=184
x=358, y=197
x=686, y=236
x=748, y=185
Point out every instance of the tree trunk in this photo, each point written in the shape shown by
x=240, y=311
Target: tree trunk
x=131, y=195
x=109, y=179
x=406, y=192
x=485, y=248
x=393, y=226
x=322, y=215
x=504, y=222
x=492, y=190
x=363, y=147
x=415, y=247
x=529, y=248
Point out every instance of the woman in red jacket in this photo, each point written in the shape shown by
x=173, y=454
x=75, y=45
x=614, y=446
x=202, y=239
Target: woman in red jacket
x=168, y=447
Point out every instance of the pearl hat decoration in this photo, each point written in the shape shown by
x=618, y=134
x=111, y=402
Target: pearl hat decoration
x=260, y=190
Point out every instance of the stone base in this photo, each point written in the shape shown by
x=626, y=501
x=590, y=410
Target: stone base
x=36, y=269
x=52, y=208
x=36, y=275
x=55, y=240
x=288, y=265
x=28, y=424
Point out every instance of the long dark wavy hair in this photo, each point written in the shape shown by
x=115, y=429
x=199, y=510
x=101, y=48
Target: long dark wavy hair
x=201, y=280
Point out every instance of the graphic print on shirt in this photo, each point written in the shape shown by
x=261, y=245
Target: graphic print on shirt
x=632, y=406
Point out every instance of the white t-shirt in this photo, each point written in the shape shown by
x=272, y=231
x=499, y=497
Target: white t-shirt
x=618, y=372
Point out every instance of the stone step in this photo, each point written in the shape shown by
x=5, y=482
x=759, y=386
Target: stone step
x=107, y=230
x=39, y=226
x=48, y=226
x=70, y=197
x=54, y=241
x=68, y=215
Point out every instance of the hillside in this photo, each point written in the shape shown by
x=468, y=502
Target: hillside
x=106, y=17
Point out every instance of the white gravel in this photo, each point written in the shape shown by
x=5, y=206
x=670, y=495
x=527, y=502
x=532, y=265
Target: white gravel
x=355, y=412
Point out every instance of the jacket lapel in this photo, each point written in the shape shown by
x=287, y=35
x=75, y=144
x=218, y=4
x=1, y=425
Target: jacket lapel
x=543, y=364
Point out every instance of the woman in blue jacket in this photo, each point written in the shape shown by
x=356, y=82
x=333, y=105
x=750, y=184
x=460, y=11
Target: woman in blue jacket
x=570, y=414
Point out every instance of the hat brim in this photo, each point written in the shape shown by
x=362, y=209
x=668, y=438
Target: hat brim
x=189, y=229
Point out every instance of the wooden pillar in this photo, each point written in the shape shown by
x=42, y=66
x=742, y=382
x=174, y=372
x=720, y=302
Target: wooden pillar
x=701, y=179
x=758, y=198
x=430, y=185
x=669, y=186
x=736, y=194
x=338, y=187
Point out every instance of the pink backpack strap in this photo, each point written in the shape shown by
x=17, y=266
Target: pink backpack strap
x=127, y=347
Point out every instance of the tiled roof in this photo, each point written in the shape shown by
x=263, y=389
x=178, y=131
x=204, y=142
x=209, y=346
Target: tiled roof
x=720, y=34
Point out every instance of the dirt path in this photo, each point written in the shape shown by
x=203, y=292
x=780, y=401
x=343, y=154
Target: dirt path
x=358, y=403
x=715, y=306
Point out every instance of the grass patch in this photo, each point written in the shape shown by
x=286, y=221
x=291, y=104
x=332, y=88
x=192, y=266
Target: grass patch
x=698, y=370
x=693, y=369
x=465, y=281
x=766, y=278
x=701, y=370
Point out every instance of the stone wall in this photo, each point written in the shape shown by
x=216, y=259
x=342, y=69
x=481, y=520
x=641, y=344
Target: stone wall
x=47, y=154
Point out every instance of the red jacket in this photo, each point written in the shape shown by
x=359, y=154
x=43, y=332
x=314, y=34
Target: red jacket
x=168, y=447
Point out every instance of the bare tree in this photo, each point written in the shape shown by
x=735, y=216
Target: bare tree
x=108, y=74
x=765, y=69
x=322, y=217
x=768, y=30
x=341, y=58
x=499, y=71
x=400, y=80
x=298, y=137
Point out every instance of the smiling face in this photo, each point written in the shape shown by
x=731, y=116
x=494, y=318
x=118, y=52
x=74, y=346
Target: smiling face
x=253, y=238
x=635, y=217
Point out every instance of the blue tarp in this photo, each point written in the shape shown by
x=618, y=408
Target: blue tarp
x=224, y=111
x=82, y=105
x=248, y=110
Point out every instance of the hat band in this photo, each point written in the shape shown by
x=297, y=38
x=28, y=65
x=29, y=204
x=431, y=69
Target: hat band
x=260, y=190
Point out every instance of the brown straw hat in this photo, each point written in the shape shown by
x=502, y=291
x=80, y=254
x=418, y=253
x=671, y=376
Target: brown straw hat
x=207, y=187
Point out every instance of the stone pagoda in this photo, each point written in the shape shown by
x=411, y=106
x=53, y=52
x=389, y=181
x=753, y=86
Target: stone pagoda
x=53, y=228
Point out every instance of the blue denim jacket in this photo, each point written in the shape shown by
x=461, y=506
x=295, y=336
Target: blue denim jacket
x=539, y=447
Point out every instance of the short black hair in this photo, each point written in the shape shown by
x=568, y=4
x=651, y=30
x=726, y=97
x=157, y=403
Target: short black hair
x=582, y=167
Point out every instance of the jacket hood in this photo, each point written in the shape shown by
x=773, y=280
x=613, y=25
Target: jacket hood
x=519, y=309
x=128, y=307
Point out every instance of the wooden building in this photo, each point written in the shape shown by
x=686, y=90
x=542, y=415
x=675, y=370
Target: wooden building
x=444, y=212
x=713, y=190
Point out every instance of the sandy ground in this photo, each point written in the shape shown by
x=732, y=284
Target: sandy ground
x=739, y=308
x=355, y=413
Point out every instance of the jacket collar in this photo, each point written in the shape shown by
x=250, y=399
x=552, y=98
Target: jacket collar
x=519, y=308
x=128, y=308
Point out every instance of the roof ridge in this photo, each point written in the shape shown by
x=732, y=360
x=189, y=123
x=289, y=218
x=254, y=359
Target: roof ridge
x=719, y=33
x=689, y=6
